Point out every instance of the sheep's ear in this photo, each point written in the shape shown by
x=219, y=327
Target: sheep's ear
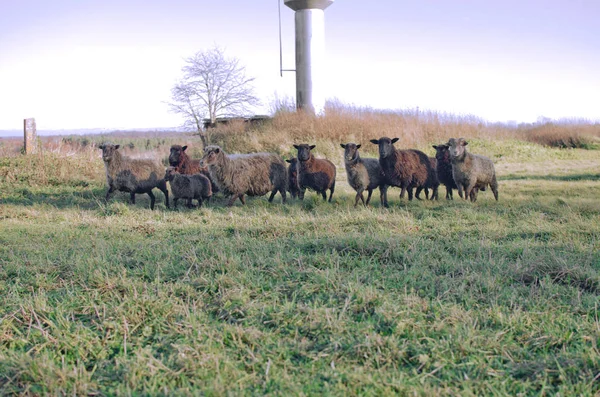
x=217, y=150
x=464, y=143
x=296, y=146
x=395, y=140
x=312, y=147
x=435, y=147
x=288, y=161
x=100, y=146
x=117, y=146
x=183, y=148
x=343, y=146
x=375, y=141
x=358, y=146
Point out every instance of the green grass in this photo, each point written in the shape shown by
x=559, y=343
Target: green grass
x=430, y=298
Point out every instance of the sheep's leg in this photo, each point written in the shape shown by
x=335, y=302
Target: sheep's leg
x=383, y=196
x=163, y=188
x=232, y=200
x=460, y=191
x=448, y=193
x=419, y=190
x=469, y=191
x=435, y=194
x=109, y=193
x=494, y=186
x=324, y=194
x=189, y=203
x=272, y=195
x=402, y=191
x=175, y=202
x=410, y=193
x=369, y=196
x=301, y=194
x=358, y=196
x=331, y=190
x=199, y=203
x=242, y=199
x=132, y=198
x=152, y=199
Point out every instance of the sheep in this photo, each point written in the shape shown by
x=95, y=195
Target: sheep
x=132, y=175
x=190, y=187
x=315, y=174
x=471, y=172
x=406, y=169
x=252, y=174
x=444, y=169
x=363, y=174
x=185, y=165
x=293, y=177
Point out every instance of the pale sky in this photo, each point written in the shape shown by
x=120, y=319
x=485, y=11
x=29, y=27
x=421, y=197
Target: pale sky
x=111, y=63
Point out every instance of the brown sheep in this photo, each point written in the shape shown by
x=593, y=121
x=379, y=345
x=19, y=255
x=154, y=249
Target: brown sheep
x=293, y=177
x=363, y=174
x=444, y=169
x=406, y=169
x=135, y=176
x=253, y=174
x=471, y=172
x=185, y=165
x=315, y=174
x=433, y=182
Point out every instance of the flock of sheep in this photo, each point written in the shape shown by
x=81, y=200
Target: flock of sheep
x=256, y=174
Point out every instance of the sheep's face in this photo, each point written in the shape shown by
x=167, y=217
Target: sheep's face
x=457, y=147
x=170, y=173
x=350, y=151
x=386, y=146
x=304, y=151
x=176, y=154
x=211, y=155
x=441, y=152
x=108, y=150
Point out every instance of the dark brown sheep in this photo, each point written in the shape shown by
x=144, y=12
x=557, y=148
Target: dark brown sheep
x=253, y=174
x=185, y=165
x=406, y=169
x=189, y=187
x=314, y=174
x=363, y=174
x=444, y=169
x=433, y=181
x=135, y=176
x=293, y=177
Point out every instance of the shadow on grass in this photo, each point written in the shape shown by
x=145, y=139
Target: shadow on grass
x=68, y=198
x=560, y=178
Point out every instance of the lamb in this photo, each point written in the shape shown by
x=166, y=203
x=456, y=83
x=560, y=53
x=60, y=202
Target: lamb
x=190, y=187
x=293, y=177
x=315, y=174
x=406, y=169
x=444, y=169
x=252, y=174
x=363, y=174
x=135, y=176
x=471, y=172
x=187, y=166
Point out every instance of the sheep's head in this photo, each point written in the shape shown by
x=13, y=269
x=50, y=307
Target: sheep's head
x=350, y=151
x=108, y=150
x=386, y=146
x=457, y=147
x=441, y=152
x=176, y=154
x=170, y=173
x=211, y=155
x=304, y=151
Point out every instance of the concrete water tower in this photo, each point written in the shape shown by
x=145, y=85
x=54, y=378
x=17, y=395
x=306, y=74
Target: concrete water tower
x=310, y=53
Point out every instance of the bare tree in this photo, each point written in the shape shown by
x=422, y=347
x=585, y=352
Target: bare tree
x=213, y=86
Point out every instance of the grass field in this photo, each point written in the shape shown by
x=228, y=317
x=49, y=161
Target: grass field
x=426, y=298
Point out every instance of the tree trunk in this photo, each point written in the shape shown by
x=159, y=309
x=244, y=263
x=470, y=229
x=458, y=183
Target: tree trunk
x=203, y=138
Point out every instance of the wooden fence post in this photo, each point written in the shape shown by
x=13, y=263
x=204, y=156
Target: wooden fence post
x=29, y=133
